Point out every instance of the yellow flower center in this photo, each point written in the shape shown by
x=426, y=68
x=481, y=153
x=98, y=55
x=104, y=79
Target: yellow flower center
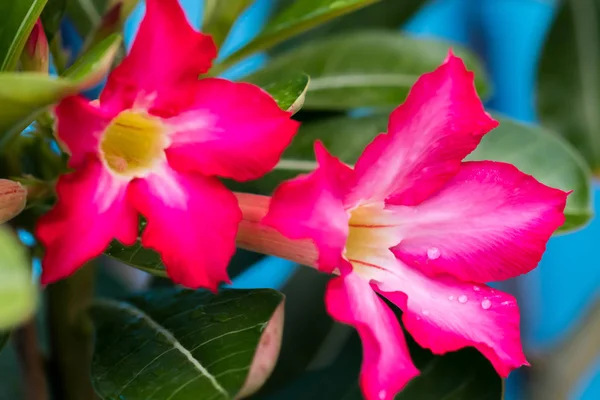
x=372, y=232
x=132, y=143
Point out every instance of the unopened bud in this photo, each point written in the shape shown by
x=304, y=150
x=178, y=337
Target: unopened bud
x=35, y=54
x=13, y=197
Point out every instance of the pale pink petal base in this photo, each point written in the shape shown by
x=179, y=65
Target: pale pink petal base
x=232, y=130
x=490, y=222
x=311, y=207
x=386, y=366
x=444, y=314
x=191, y=222
x=90, y=212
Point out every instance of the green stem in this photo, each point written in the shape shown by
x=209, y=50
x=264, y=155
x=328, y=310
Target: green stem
x=58, y=55
x=71, y=334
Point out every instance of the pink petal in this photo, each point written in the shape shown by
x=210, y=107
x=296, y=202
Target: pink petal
x=386, y=366
x=167, y=52
x=311, y=207
x=490, y=222
x=231, y=130
x=79, y=127
x=444, y=314
x=192, y=223
x=441, y=121
x=90, y=212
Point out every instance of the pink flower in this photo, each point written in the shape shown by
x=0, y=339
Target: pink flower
x=155, y=144
x=415, y=224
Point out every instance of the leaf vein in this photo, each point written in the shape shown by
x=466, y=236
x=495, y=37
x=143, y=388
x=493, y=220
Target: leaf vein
x=167, y=335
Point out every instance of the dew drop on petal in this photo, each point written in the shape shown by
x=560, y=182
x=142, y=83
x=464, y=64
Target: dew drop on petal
x=433, y=253
x=450, y=298
x=382, y=394
x=505, y=303
x=476, y=288
x=462, y=299
x=486, y=304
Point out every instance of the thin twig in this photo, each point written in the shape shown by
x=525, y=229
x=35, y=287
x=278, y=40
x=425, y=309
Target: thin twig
x=32, y=362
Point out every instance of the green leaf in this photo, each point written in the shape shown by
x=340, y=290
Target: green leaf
x=462, y=375
x=90, y=68
x=569, y=78
x=532, y=149
x=289, y=94
x=297, y=18
x=111, y=22
x=364, y=69
x=17, y=291
x=178, y=344
x=24, y=95
x=220, y=15
x=52, y=15
x=384, y=14
x=17, y=18
x=86, y=14
x=541, y=153
x=138, y=257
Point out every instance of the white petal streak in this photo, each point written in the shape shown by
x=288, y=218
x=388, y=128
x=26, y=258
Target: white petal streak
x=109, y=189
x=164, y=184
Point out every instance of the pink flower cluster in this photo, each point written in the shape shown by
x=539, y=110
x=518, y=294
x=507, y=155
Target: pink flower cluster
x=411, y=222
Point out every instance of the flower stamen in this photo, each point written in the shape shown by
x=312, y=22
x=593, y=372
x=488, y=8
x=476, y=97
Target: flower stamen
x=132, y=143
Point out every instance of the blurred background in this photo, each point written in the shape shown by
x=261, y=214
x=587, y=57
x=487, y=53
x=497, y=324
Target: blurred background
x=523, y=44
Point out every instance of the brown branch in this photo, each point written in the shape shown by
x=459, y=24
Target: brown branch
x=71, y=335
x=32, y=362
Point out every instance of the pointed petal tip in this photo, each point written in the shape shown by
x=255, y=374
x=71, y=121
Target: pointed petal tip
x=450, y=56
x=492, y=123
x=377, y=393
x=386, y=367
x=45, y=279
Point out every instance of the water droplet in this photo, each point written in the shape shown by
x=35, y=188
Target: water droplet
x=425, y=312
x=433, y=253
x=505, y=303
x=451, y=298
x=382, y=394
x=476, y=288
x=462, y=299
x=486, y=304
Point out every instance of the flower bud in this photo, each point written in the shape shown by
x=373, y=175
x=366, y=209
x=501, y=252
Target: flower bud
x=35, y=54
x=13, y=197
